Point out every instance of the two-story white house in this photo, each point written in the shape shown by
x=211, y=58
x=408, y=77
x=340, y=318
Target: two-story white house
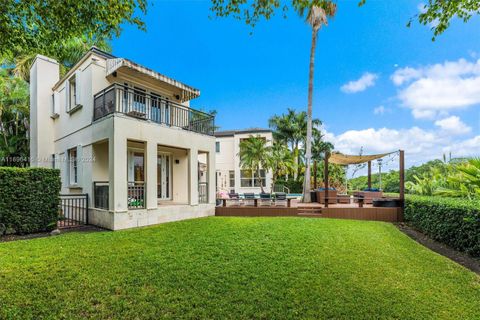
x=230, y=177
x=126, y=136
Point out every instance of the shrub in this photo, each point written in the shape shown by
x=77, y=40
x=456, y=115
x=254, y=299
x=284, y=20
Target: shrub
x=29, y=199
x=293, y=186
x=455, y=222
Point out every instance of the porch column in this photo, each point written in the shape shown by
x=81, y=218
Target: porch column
x=117, y=172
x=325, y=178
x=211, y=177
x=193, y=176
x=87, y=164
x=151, y=175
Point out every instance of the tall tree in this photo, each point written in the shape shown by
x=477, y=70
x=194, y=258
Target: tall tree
x=320, y=146
x=67, y=52
x=317, y=15
x=254, y=155
x=14, y=114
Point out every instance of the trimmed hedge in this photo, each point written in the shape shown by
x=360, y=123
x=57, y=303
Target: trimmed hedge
x=455, y=222
x=29, y=199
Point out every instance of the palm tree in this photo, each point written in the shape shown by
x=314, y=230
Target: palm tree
x=254, y=155
x=319, y=146
x=317, y=14
x=281, y=161
x=291, y=128
x=462, y=181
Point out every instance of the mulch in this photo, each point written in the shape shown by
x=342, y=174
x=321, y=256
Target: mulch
x=15, y=237
x=461, y=258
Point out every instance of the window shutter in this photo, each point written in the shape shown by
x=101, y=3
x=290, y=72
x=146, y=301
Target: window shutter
x=79, y=164
x=67, y=95
x=56, y=107
x=78, y=86
x=66, y=169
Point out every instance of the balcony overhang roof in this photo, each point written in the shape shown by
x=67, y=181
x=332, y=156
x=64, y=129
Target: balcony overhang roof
x=117, y=64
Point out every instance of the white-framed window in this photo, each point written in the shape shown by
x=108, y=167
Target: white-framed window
x=249, y=179
x=217, y=146
x=53, y=161
x=73, y=166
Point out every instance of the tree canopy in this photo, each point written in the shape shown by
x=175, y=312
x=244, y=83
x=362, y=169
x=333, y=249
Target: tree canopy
x=439, y=13
x=33, y=25
x=436, y=13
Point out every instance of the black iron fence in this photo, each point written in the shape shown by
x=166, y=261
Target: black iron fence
x=136, y=195
x=100, y=194
x=148, y=106
x=203, y=192
x=73, y=210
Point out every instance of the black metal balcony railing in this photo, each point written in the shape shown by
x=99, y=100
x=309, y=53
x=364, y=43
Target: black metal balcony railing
x=100, y=194
x=203, y=192
x=139, y=104
x=136, y=195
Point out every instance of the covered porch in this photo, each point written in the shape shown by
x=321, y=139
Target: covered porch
x=148, y=176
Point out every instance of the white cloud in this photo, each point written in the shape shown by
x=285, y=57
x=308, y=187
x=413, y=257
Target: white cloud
x=380, y=110
x=366, y=80
x=453, y=125
x=421, y=7
x=439, y=88
x=466, y=148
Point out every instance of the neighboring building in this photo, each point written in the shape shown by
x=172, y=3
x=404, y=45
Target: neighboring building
x=126, y=136
x=230, y=176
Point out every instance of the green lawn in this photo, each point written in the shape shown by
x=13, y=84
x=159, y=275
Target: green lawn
x=235, y=268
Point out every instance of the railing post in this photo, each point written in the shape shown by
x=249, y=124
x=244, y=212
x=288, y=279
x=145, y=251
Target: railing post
x=86, y=208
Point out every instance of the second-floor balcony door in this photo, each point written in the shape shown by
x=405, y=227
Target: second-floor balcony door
x=160, y=109
x=164, y=176
x=134, y=101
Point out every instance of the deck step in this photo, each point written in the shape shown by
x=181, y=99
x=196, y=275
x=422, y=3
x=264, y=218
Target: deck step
x=310, y=215
x=310, y=211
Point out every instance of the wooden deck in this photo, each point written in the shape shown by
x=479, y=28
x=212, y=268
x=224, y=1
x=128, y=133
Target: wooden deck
x=314, y=210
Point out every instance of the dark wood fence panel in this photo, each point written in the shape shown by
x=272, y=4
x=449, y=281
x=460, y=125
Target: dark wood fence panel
x=73, y=210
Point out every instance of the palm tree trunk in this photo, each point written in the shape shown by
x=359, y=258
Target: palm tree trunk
x=260, y=179
x=296, y=154
x=308, y=142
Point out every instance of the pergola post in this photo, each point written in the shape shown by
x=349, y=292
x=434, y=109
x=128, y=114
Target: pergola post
x=314, y=174
x=402, y=184
x=325, y=178
x=369, y=175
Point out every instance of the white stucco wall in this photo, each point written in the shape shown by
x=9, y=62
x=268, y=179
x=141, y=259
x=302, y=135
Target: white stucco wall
x=102, y=147
x=44, y=73
x=228, y=159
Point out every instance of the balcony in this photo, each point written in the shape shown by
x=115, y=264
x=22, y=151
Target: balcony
x=150, y=107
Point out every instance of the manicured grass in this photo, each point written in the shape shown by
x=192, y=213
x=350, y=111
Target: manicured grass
x=235, y=268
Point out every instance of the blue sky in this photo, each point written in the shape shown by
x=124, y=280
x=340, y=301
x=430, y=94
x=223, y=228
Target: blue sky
x=405, y=90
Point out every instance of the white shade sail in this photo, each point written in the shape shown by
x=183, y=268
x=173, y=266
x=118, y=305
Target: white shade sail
x=343, y=159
